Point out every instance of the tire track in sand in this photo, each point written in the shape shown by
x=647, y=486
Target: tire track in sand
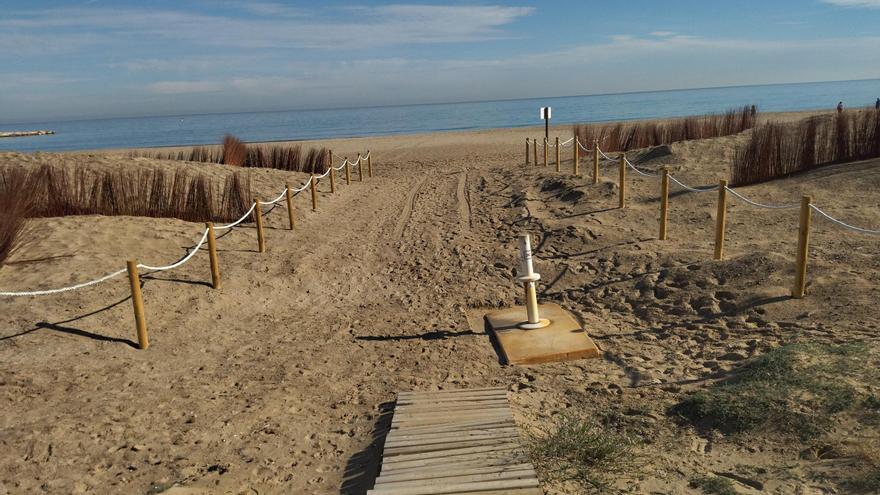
x=408, y=206
x=463, y=200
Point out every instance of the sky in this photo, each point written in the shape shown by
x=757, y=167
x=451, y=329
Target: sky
x=63, y=60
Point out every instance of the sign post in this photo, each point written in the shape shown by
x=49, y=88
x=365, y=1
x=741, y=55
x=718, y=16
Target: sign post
x=545, y=114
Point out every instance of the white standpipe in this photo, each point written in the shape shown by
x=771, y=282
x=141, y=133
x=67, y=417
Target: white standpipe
x=528, y=277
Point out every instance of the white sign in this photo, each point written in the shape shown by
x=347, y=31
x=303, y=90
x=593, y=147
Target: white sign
x=545, y=113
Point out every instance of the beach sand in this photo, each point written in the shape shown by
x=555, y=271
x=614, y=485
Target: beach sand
x=274, y=383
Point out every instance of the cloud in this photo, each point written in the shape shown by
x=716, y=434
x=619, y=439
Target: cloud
x=661, y=33
x=182, y=87
x=372, y=26
x=868, y=4
x=268, y=9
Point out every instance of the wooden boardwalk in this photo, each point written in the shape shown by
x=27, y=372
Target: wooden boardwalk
x=457, y=441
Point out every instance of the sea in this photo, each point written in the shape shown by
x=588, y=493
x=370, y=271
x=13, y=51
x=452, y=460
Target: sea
x=292, y=125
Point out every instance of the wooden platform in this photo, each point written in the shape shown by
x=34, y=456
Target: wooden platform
x=562, y=340
x=457, y=441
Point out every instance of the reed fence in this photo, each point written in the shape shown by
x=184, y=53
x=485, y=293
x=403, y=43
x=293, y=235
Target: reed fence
x=254, y=210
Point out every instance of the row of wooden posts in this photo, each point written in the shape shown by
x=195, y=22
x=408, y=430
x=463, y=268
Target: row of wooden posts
x=576, y=163
x=799, y=289
x=132, y=265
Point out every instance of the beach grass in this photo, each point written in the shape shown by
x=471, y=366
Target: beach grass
x=779, y=150
x=15, y=205
x=234, y=152
x=51, y=191
x=624, y=136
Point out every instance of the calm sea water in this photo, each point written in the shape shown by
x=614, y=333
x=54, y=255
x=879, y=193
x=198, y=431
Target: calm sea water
x=319, y=124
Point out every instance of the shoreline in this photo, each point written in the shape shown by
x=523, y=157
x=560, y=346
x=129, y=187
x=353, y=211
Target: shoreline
x=787, y=116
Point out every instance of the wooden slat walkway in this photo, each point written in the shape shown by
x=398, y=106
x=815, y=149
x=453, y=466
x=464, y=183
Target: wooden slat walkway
x=456, y=441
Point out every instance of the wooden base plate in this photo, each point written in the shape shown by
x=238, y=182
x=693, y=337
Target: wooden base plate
x=562, y=340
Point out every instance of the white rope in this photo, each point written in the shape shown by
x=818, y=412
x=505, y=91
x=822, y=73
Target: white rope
x=242, y=219
x=694, y=189
x=759, y=205
x=845, y=225
x=64, y=289
x=638, y=171
x=565, y=143
x=608, y=157
x=322, y=175
x=181, y=262
x=276, y=199
x=588, y=150
x=303, y=188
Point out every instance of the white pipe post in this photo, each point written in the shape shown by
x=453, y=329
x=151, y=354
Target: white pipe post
x=528, y=277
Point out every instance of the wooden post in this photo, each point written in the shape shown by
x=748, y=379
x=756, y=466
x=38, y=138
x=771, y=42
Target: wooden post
x=258, y=217
x=535, y=150
x=212, y=256
x=800, y=264
x=347, y=172
x=291, y=219
x=360, y=169
x=137, y=300
x=314, y=194
x=664, y=202
x=545, y=151
x=330, y=152
x=369, y=164
x=577, y=155
x=557, y=154
x=527, y=151
x=721, y=219
x=622, y=180
x=596, y=161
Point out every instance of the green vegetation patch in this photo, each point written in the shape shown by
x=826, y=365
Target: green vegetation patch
x=580, y=450
x=794, y=389
x=713, y=485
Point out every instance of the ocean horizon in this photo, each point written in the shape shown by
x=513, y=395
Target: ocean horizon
x=296, y=125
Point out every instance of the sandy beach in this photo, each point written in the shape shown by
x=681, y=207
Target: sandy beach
x=274, y=383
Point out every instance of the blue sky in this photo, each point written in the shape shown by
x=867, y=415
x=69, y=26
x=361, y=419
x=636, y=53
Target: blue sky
x=87, y=59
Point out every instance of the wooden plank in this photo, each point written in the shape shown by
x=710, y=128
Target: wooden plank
x=457, y=488
x=446, y=473
x=432, y=469
x=391, y=452
x=459, y=391
x=438, y=456
x=449, y=417
x=403, y=440
x=458, y=426
x=445, y=406
x=435, y=422
x=456, y=441
x=457, y=406
x=451, y=414
x=449, y=401
x=562, y=340
x=486, y=457
x=520, y=474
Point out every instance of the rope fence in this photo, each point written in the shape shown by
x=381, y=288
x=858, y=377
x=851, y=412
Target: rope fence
x=132, y=267
x=806, y=206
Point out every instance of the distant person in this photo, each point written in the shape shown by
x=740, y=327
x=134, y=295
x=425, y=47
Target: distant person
x=840, y=107
x=755, y=110
x=877, y=104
